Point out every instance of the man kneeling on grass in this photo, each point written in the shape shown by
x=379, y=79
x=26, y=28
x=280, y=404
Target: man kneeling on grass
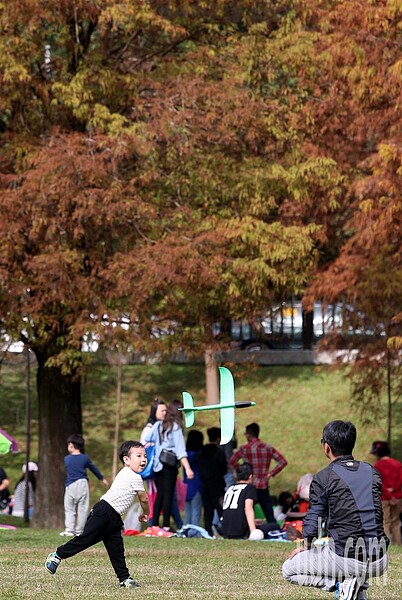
x=104, y=523
x=346, y=495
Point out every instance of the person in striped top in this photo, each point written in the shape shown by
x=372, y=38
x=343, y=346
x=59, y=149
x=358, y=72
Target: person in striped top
x=260, y=456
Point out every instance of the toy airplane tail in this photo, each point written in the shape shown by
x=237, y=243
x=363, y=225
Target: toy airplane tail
x=188, y=406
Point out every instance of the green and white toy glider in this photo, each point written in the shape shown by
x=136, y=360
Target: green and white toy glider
x=226, y=406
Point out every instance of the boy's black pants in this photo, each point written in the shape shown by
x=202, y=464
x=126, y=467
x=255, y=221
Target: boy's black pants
x=104, y=524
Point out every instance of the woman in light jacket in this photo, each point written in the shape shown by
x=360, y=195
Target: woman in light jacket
x=167, y=434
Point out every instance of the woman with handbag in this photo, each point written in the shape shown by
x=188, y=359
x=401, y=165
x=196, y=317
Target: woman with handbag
x=170, y=450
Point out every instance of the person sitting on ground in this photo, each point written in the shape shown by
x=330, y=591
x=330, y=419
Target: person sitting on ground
x=20, y=491
x=282, y=506
x=347, y=496
x=238, y=520
x=297, y=509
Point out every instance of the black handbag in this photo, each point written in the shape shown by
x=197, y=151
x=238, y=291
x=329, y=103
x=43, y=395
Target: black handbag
x=168, y=458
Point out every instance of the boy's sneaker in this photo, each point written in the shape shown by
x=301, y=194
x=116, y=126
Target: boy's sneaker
x=52, y=562
x=129, y=583
x=66, y=534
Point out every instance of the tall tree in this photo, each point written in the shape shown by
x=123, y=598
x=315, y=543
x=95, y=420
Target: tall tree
x=141, y=178
x=355, y=115
x=367, y=279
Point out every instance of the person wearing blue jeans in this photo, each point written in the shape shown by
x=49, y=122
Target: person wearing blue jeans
x=193, y=504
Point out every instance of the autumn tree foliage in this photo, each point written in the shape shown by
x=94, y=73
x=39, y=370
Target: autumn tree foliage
x=355, y=113
x=141, y=177
x=367, y=277
x=169, y=165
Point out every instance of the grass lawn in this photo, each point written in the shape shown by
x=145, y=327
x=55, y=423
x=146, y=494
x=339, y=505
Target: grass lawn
x=166, y=568
x=293, y=404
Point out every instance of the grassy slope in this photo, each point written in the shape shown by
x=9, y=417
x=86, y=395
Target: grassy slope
x=293, y=404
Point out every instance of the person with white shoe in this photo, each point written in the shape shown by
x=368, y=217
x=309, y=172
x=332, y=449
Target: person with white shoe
x=76, y=493
x=346, y=496
x=105, y=523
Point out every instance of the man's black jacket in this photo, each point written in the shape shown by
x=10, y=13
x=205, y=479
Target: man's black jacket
x=346, y=495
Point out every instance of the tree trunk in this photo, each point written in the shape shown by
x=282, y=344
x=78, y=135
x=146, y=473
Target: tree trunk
x=59, y=399
x=28, y=431
x=389, y=415
x=117, y=420
x=308, y=329
x=211, y=377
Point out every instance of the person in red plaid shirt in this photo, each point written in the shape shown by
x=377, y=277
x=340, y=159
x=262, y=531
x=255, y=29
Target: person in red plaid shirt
x=259, y=455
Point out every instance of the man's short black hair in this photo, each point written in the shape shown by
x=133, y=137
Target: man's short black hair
x=125, y=448
x=243, y=471
x=254, y=429
x=214, y=434
x=77, y=441
x=340, y=437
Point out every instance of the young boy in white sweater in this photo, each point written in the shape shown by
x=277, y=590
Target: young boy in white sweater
x=104, y=523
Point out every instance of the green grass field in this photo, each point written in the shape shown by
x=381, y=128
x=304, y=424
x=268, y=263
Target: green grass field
x=293, y=404
x=166, y=568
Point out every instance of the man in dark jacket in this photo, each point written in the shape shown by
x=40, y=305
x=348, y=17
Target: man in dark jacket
x=346, y=497
x=212, y=468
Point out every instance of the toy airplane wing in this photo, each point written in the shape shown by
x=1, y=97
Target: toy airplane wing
x=228, y=401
